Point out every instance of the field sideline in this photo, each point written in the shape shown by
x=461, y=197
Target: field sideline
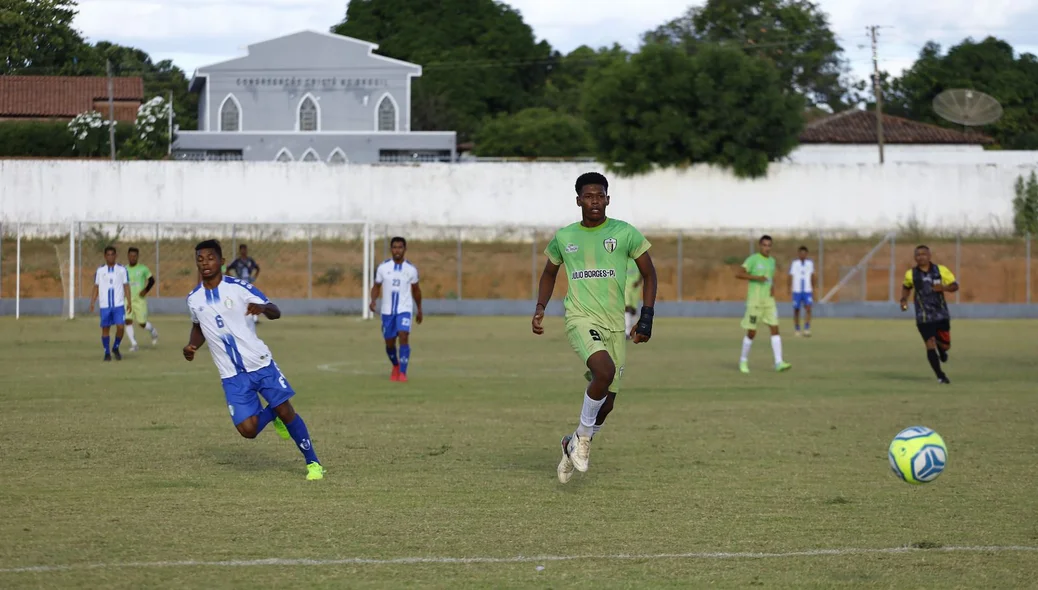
x=131, y=475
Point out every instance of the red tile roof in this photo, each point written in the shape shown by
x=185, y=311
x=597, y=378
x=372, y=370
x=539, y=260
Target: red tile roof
x=66, y=96
x=859, y=127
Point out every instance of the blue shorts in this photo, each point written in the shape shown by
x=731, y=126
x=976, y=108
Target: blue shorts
x=394, y=324
x=803, y=299
x=243, y=390
x=113, y=316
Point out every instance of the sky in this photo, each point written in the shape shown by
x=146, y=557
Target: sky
x=195, y=33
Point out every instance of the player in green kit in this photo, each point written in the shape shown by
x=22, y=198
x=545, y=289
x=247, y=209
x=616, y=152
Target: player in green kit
x=759, y=270
x=596, y=252
x=141, y=283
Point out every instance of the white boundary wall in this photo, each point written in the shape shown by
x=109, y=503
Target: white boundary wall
x=862, y=198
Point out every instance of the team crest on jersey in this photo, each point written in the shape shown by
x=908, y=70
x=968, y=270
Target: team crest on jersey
x=571, y=248
x=228, y=303
x=610, y=245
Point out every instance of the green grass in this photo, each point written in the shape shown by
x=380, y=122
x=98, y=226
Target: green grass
x=138, y=461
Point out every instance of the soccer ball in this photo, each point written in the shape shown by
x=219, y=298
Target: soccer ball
x=918, y=455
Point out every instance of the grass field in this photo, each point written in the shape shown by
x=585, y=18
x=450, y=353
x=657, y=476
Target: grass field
x=123, y=471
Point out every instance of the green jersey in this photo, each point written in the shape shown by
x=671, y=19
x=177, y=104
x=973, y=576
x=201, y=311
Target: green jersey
x=760, y=266
x=597, y=260
x=139, y=276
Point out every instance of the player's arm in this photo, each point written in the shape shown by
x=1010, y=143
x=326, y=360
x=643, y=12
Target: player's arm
x=906, y=290
x=643, y=330
x=147, y=288
x=744, y=275
x=93, y=297
x=255, y=271
x=126, y=291
x=544, y=290
x=948, y=283
x=416, y=294
x=194, y=341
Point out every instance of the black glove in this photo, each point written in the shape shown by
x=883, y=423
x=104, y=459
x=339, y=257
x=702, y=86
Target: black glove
x=644, y=326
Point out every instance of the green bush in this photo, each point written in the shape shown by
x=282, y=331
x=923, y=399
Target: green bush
x=51, y=139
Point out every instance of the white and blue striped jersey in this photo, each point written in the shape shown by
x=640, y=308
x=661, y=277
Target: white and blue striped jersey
x=801, y=271
x=396, y=280
x=221, y=313
x=110, y=281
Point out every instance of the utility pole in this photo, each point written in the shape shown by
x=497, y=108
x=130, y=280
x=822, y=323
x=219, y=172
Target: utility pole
x=111, y=109
x=876, y=86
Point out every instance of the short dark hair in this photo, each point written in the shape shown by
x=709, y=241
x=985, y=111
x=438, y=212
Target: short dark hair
x=591, y=178
x=213, y=245
x=922, y=247
x=765, y=237
x=110, y=249
x=132, y=250
x=802, y=249
x=398, y=239
x=240, y=246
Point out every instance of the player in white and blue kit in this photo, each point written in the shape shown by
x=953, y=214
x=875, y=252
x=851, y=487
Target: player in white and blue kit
x=220, y=308
x=401, y=298
x=113, y=282
x=802, y=286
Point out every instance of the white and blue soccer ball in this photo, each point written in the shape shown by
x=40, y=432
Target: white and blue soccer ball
x=918, y=455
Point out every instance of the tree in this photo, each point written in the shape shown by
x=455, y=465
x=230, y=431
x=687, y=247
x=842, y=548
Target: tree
x=666, y=107
x=1025, y=206
x=479, y=57
x=534, y=133
x=37, y=38
x=568, y=73
x=989, y=66
x=793, y=35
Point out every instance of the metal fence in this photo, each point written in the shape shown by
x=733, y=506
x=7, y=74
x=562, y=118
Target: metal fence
x=327, y=260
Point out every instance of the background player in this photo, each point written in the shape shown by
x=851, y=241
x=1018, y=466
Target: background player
x=932, y=317
x=219, y=308
x=759, y=270
x=403, y=295
x=111, y=280
x=246, y=269
x=802, y=286
x=632, y=297
x=141, y=283
x=596, y=252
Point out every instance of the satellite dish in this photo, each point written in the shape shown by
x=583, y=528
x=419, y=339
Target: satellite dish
x=967, y=107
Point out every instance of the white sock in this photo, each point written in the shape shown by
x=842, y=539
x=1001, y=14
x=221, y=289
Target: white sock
x=776, y=347
x=746, y=344
x=151, y=329
x=129, y=334
x=589, y=415
x=631, y=320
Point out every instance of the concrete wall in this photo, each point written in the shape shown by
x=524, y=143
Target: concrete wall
x=915, y=154
x=863, y=198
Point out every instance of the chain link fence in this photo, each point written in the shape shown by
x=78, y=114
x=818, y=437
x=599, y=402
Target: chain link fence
x=326, y=260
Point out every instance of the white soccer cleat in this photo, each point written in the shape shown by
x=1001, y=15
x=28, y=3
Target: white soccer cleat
x=565, y=469
x=155, y=338
x=134, y=348
x=580, y=452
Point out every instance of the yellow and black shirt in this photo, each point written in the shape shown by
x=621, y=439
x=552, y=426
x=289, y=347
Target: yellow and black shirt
x=930, y=305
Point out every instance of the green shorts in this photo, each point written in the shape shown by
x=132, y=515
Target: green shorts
x=138, y=311
x=632, y=295
x=760, y=313
x=586, y=339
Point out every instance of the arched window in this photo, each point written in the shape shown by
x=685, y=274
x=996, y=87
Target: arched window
x=338, y=158
x=309, y=114
x=230, y=114
x=310, y=156
x=284, y=156
x=386, y=114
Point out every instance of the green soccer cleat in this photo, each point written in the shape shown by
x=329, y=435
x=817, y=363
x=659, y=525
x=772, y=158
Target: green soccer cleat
x=744, y=367
x=314, y=471
x=782, y=367
x=281, y=429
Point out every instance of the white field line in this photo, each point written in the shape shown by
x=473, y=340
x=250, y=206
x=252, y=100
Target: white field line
x=517, y=559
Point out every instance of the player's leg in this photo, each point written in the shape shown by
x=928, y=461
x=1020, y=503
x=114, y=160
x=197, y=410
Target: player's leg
x=129, y=330
x=591, y=344
x=943, y=339
x=140, y=314
x=106, y=330
x=277, y=391
x=618, y=352
x=796, y=313
x=809, y=301
x=403, y=330
x=119, y=316
x=630, y=319
x=749, y=323
x=769, y=317
x=389, y=334
x=928, y=332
